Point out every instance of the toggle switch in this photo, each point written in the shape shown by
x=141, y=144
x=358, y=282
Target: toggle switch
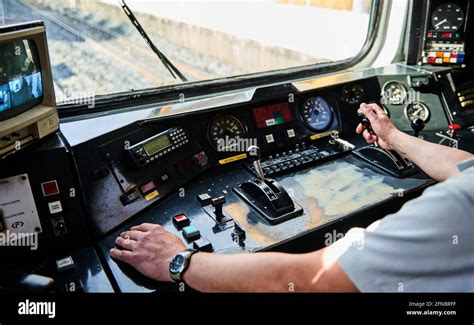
x=218, y=203
x=239, y=235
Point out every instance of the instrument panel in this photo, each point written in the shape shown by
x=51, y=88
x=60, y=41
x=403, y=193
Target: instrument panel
x=445, y=33
x=147, y=161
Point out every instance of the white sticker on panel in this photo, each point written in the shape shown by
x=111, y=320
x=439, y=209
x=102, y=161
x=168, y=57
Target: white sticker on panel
x=18, y=211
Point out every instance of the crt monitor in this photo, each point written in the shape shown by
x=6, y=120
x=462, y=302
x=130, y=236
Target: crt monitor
x=21, y=85
x=28, y=110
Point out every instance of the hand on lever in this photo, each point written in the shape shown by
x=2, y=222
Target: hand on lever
x=383, y=130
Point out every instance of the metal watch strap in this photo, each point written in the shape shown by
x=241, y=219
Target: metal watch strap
x=188, y=253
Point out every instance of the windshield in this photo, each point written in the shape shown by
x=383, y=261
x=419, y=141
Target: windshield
x=95, y=49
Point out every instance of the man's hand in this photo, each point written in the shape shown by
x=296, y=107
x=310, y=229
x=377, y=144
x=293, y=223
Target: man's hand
x=149, y=248
x=383, y=128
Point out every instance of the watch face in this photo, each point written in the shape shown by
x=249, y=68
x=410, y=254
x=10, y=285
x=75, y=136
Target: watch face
x=177, y=263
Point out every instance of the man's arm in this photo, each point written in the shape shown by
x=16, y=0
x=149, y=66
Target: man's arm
x=438, y=161
x=150, y=248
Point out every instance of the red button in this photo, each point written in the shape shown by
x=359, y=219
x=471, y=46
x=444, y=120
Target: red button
x=431, y=60
x=454, y=127
x=50, y=188
x=147, y=187
x=181, y=220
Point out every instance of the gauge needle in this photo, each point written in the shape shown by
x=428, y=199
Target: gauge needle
x=441, y=22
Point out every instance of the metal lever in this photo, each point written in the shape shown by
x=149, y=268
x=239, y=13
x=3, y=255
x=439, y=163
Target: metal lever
x=346, y=145
x=254, y=155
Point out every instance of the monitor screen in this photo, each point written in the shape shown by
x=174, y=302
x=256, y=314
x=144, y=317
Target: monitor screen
x=21, y=86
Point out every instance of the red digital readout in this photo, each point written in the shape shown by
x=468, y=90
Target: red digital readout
x=446, y=35
x=272, y=115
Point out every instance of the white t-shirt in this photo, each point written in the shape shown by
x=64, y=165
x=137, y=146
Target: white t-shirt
x=428, y=246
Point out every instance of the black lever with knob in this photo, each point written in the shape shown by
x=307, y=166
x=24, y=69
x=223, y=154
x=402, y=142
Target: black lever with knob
x=218, y=203
x=417, y=124
x=366, y=123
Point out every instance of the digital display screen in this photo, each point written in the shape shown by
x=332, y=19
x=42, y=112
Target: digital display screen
x=20, y=78
x=272, y=115
x=157, y=144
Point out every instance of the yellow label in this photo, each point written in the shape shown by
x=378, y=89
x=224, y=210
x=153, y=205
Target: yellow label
x=232, y=159
x=152, y=195
x=320, y=135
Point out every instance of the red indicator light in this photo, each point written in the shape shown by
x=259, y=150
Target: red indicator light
x=454, y=127
x=50, y=188
x=272, y=115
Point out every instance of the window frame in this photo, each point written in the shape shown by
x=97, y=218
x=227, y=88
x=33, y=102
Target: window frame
x=205, y=88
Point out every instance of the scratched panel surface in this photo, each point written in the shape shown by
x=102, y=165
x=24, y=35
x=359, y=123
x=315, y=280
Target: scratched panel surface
x=326, y=192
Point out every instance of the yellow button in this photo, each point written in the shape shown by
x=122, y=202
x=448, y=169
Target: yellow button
x=152, y=195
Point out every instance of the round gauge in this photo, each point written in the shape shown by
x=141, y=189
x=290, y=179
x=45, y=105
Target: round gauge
x=317, y=114
x=225, y=131
x=448, y=16
x=394, y=92
x=352, y=94
x=417, y=110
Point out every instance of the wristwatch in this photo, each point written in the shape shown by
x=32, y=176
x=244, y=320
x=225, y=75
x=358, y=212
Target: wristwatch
x=180, y=263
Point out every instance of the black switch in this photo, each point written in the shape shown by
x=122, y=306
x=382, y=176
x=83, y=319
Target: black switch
x=203, y=245
x=217, y=203
x=239, y=235
x=129, y=196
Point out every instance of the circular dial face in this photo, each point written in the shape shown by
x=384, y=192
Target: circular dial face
x=417, y=110
x=352, y=94
x=225, y=131
x=394, y=92
x=317, y=114
x=448, y=16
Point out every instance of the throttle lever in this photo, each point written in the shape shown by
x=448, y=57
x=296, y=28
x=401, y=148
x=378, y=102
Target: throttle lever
x=366, y=122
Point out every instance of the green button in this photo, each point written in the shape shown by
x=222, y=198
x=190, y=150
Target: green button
x=279, y=120
x=191, y=232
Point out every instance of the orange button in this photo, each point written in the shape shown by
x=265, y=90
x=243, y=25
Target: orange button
x=439, y=54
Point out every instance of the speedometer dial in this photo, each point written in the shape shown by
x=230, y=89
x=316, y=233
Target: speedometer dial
x=226, y=132
x=316, y=114
x=448, y=17
x=394, y=92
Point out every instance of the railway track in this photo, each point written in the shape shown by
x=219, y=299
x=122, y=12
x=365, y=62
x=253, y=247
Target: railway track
x=188, y=70
x=119, y=50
